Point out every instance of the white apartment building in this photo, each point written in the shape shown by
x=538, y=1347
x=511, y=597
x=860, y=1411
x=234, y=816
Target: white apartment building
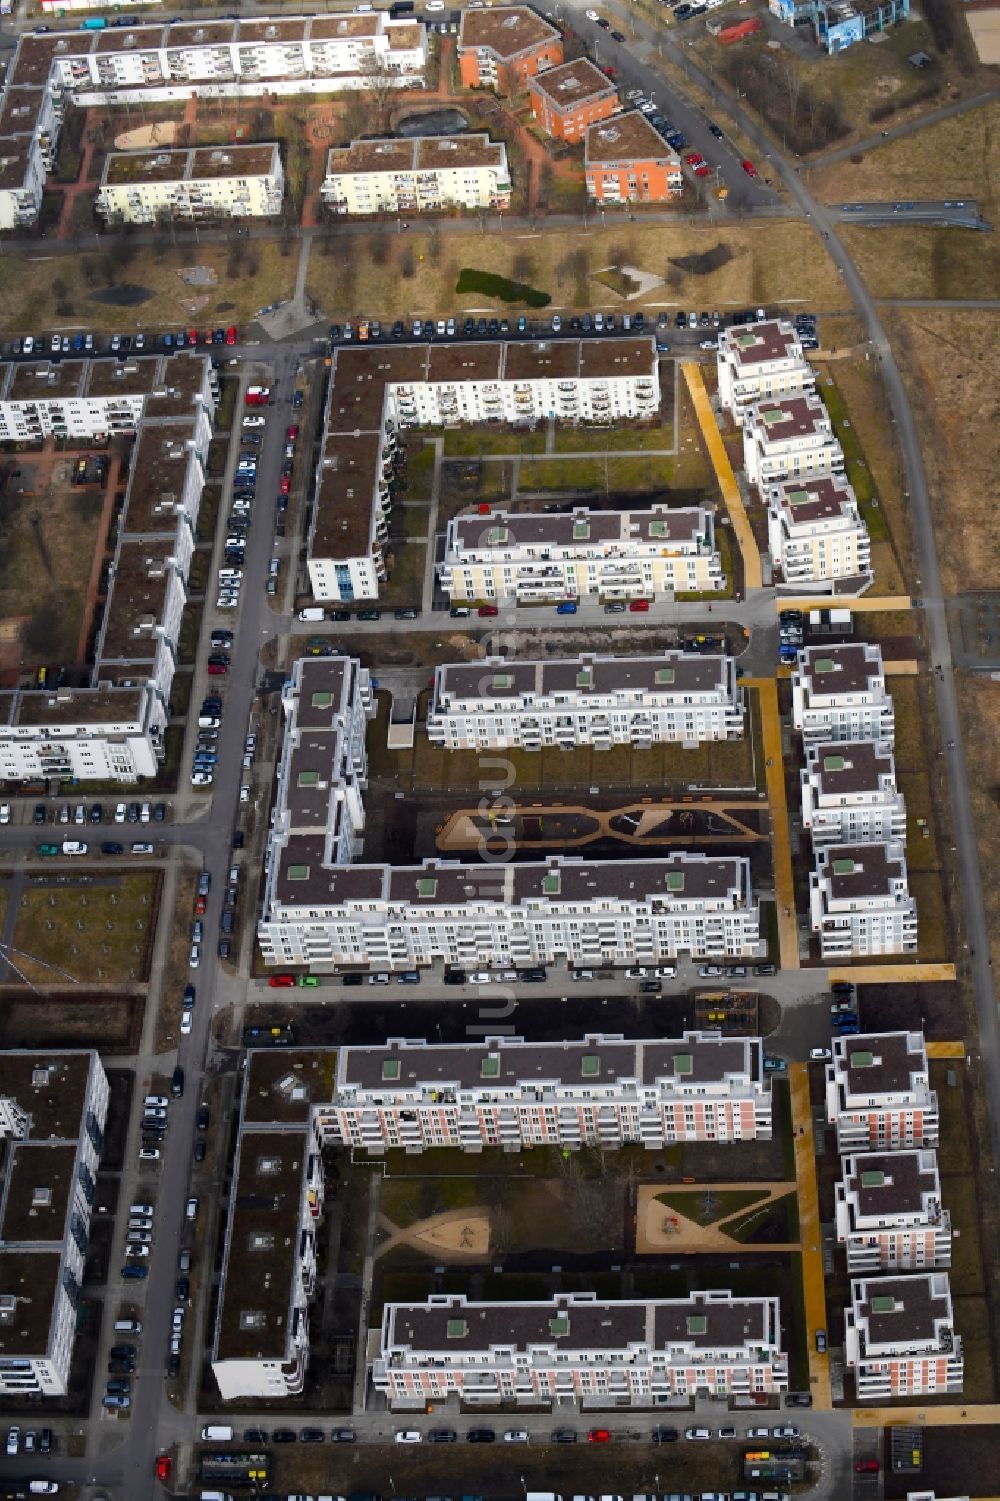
x=789, y=438
x=839, y=693
x=113, y=730
x=231, y=182
x=860, y=903
x=816, y=536
x=53, y=1106
x=591, y=913
x=588, y=700
x=375, y=392
x=322, y=772
x=759, y=361
x=849, y=793
x=519, y=558
x=889, y=1213
x=900, y=1340
x=422, y=174
x=878, y=1093
x=575, y=1348
x=158, y=61
x=505, y=1092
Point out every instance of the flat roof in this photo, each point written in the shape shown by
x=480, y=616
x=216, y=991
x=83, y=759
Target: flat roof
x=416, y=154
x=187, y=165
x=342, y=521
x=302, y=879
x=627, y=138
x=20, y=109
x=51, y=1086
x=283, y=1084
x=881, y=1063
x=505, y=31
x=891, y=1182
x=141, y=585
x=71, y=706
x=850, y=667
x=32, y=1279
x=781, y=418
x=589, y=675
x=898, y=1310
x=578, y=530
x=262, y=1247
x=571, y=84
x=849, y=766
x=160, y=463
x=855, y=871
x=815, y=498
x=41, y=380
x=135, y=375
x=13, y=160
x=690, y=1061
x=37, y=1191
x=758, y=343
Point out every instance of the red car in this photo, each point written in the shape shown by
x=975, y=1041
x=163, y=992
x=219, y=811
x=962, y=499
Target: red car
x=703, y=171
x=749, y=169
x=231, y=334
x=488, y=610
x=281, y=982
x=193, y=336
x=694, y=159
x=199, y=906
x=217, y=669
x=866, y=1467
x=291, y=433
x=163, y=1465
x=286, y=484
x=598, y=1436
x=639, y=606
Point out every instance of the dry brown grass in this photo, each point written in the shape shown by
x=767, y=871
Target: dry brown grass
x=932, y=263
x=949, y=363
x=777, y=261
x=979, y=703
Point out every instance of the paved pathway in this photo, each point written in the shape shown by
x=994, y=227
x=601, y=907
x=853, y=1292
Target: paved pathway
x=774, y=770
x=752, y=575
x=810, y=1231
x=891, y=974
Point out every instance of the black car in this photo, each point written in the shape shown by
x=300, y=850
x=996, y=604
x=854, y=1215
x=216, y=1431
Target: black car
x=480, y=1436
x=716, y=131
x=45, y=1441
x=121, y=1367
x=343, y=1436
x=442, y=1436
x=39, y=814
x=564, y=1436
x=531, y=976
x=639, y=322
x=96, y=813
x=203, y=1117
x=618, y=36
x=798, y=1399
x=455, y=977
x=159, y=812
x=369, y=614
x=284, y=1436
x=177, y=1083
x=664, y=1435
x=255, y=1436
x=183, y=1289
x=352, y=979
x=335, y=330
x=680, y=321
x=340, y=615
x=173, y=1365
x=468, y=328
x=397, y=329
x=122, y=1352
x=200, y=1148
x=407, y=613
x=312, y=1436
x=109, y=847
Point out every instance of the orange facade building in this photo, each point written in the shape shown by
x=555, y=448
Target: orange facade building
x=566, y=100
x=628, y=161
x=503, y=49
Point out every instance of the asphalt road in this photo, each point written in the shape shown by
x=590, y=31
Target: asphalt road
x=948, y=213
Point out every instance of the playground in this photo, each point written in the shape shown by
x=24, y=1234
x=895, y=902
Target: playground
x=709, y=1217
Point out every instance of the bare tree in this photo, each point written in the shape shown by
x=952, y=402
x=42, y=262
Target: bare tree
x=380, y=246
x=524, y=266
x=407, y=263
x=379, y=84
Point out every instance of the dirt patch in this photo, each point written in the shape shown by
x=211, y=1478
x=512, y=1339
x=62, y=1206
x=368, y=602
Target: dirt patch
x=109, y=1022
x=676, y=1220
x=160, y=133
x=462, y=1233
x=985, y=28
x=92, y=928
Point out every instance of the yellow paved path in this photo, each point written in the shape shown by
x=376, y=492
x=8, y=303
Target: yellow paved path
x=890, y=974
x=813, y=1287
x=864, y=604
x=784, y=889
x=946, y=1050
x=906, y=668
x=932, y=1417
x=752, y=576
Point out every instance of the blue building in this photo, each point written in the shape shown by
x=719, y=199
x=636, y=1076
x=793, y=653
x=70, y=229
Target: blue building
x=838, y=24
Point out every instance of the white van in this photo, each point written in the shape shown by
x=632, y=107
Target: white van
x=128, y=1326
x=312, y=612
x=218, y=1433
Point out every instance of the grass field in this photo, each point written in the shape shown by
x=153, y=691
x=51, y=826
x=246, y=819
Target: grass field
x=780, y=261
x=98, y=932
x=934, y=263
x=27, y=300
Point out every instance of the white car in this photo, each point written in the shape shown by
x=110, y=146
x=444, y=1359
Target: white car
x=701, y=1433
x=14, y=1434
x=758, y=1433
x=592, y=16
x=149, y=1154
x=194, y=958
x=408, y=1436
x=4, y=812
x=516, y=1436
x=186, y=1024
x=136, y=1251
x=139, y=1238
x=244, y=793
x=158, y=1101
x=820, y=1055
x=120, y=813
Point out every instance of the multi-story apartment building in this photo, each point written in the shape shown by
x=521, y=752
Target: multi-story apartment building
x=504, y=47
x=114, y=728
x=422, y=174
x=860, y=902
x=53, y=1106
x=591, y=913
x=628, y=161
x=159, y=61
x=789, y=438
x=506, y=1092
x=589, y=700
x=514, y=558
x=878, y=1093
x=816, y=535
x=208, y=182
x=899, y=1338
x=889, y=1213
x=839, y=693
x=376, y=392
x=849, y=794
x=566, y=100
x=575, y=1348
x=322, y=772
x=759, y=362
x=260, y=1346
